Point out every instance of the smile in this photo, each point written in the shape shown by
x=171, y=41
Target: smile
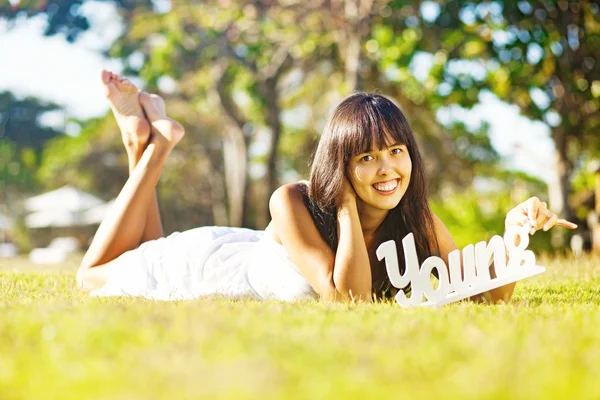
x=386, y=188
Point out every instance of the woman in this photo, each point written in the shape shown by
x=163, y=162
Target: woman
x=367, y=185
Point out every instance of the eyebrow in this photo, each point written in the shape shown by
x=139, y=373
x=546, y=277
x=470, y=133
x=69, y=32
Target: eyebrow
x=367, y=151
x=396, y=145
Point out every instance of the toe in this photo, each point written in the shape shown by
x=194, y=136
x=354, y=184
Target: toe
x=110, y=89
x=106, y=76
x=125, y=85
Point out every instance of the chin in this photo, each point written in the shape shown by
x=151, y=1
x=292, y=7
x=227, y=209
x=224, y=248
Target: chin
x=389, y=207
x=386, y=205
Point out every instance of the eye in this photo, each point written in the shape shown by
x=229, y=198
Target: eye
x=397, y=150
x=366, y=158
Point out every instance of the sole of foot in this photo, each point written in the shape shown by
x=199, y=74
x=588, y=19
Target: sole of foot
x=164, y=129
x=123, y=97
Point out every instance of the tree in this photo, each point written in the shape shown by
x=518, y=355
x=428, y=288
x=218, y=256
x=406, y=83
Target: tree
x=22, y=139
x=539, y=55
x=255, y=60
x=246, y=50
x=20, y=121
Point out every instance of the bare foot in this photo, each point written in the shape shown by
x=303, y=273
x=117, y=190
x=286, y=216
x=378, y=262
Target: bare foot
x=165, y=131
x=124, y=101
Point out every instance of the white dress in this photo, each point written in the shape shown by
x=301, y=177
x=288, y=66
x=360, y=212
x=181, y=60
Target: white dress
x=236, y=263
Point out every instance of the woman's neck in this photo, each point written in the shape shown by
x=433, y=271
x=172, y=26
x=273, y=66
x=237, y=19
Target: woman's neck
x=370, y=218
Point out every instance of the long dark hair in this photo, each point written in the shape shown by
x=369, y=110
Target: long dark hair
x=360, y=122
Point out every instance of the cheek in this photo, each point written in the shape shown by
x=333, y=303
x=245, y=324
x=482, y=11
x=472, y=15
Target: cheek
x=360, y=173
x=407, y=167
x=408, y=174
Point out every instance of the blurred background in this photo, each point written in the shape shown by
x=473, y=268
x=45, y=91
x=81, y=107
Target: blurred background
x=503, y=96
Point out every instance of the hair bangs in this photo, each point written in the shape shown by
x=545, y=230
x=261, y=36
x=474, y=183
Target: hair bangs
x=376, y=123
x=394, y=127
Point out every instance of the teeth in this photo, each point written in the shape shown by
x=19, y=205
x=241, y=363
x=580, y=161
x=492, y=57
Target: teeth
x=386, y=186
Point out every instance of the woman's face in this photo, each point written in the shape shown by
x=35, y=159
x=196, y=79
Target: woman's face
x=381, y=177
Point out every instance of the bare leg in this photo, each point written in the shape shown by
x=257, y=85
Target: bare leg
x=135, y=131
x=161, y=126
x=123, y=229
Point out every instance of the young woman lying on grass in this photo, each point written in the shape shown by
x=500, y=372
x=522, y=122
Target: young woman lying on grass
x=367, y=185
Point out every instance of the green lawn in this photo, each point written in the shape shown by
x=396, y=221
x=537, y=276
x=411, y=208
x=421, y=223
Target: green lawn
x=58, y=343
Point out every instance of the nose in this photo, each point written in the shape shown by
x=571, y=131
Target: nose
x=384, y=166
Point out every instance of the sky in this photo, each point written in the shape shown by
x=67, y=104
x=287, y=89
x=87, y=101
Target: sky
x=68, y=74
x=52, y=69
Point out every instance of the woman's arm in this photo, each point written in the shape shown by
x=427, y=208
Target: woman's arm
x=352, y=269
x=533, y=212
x=323, y=269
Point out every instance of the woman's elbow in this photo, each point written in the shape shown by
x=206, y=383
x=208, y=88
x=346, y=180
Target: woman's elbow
x=328, y=291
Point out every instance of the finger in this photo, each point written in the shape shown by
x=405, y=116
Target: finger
x=532, y=209
x=523, y=220
x=543, y=215
x=515, y=220
x=551, y=222
x=566, y=224
x=517, y=212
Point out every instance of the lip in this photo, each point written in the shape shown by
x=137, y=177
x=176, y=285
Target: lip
x=391, y=192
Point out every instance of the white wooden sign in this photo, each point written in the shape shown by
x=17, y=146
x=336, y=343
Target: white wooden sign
x=476, y=262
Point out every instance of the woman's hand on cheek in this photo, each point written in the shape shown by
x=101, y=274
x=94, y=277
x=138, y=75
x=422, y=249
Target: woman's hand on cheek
x=348, y=194
x=536, y=214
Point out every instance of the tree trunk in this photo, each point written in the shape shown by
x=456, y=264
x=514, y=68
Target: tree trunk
x=235, y=151
x=357, y=24
x=274, y=123
x=218, y=198
x=559, y=190
x=235, y=159
x=352, y=75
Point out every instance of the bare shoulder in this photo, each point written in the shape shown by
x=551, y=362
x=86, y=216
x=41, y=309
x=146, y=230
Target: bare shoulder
x=295, y=229
x=288, y=198
x=290, y=191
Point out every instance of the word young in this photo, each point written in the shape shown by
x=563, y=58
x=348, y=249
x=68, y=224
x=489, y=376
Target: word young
x=476, y=262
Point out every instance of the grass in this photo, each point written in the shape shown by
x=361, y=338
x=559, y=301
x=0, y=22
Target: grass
x=58, y=343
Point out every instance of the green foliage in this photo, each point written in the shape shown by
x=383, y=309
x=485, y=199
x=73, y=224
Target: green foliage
x=22, y=139
x=537, y=55
x=472, y=217
x=63, y=158
x=63, y=16
x=243, y=65
x=477, y=214
x=16, y=174
x=20, y=122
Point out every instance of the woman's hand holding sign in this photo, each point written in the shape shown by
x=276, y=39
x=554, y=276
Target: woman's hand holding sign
x=535, y=213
